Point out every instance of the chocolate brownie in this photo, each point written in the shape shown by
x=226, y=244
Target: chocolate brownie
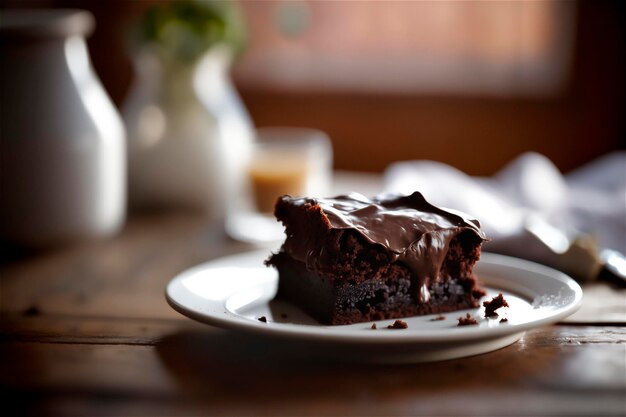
x=350, y=259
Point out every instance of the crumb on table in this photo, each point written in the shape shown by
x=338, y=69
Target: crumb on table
x=438, y=318
x=32, y=311
x=262, y=319
x=373, y=326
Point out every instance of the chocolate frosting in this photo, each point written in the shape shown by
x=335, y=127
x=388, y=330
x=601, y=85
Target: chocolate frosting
x=411, y=230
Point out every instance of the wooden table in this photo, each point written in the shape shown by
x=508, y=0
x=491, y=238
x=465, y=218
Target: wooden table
x=86, y=330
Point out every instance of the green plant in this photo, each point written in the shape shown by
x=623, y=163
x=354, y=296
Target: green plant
x=185, y=29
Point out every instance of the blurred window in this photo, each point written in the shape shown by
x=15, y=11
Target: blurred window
x=472, y=47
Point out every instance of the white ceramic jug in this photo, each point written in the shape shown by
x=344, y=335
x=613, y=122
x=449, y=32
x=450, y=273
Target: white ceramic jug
x=189, y=133
x=63, y=165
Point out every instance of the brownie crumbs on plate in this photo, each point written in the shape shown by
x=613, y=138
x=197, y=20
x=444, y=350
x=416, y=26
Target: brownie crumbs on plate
x=467, y=320
x=504, y=320
x=398, y=324
x=373, y=326
x=495, y=303
x=262, y=319
x=438, y=318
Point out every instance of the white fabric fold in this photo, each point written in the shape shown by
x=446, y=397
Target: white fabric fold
x=529, y=209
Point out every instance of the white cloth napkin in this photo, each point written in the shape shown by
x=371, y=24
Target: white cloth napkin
x=529, y=209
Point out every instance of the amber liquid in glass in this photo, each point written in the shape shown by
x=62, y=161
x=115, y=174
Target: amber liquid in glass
x=275, y=174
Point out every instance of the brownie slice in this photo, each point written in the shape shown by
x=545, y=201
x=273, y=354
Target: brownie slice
x=351, y=259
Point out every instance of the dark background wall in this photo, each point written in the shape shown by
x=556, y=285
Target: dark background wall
x=475, y=133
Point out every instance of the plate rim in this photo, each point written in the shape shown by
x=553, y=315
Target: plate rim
x=318, y=333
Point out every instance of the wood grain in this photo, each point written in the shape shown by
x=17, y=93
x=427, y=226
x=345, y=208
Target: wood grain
x=555, y=367
x=85, y=330
x=120, y=277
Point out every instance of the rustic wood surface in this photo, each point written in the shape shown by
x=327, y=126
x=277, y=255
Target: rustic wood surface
x=85, y=330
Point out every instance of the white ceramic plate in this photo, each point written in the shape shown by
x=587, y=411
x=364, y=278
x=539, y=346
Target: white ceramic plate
x=233, y=292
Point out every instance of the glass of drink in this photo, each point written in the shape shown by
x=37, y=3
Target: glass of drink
x=284, y=160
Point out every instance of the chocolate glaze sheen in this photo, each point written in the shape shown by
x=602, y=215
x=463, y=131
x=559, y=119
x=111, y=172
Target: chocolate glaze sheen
x=412, y=231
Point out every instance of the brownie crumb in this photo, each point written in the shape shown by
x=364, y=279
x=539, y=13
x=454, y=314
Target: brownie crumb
x=495, y=303
x=504, y=320
x=398, y=324
x=467, y=320
x=438, y=318
x=32, y=311
x=283, y=316
x=263, y=319
x=373, y=326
